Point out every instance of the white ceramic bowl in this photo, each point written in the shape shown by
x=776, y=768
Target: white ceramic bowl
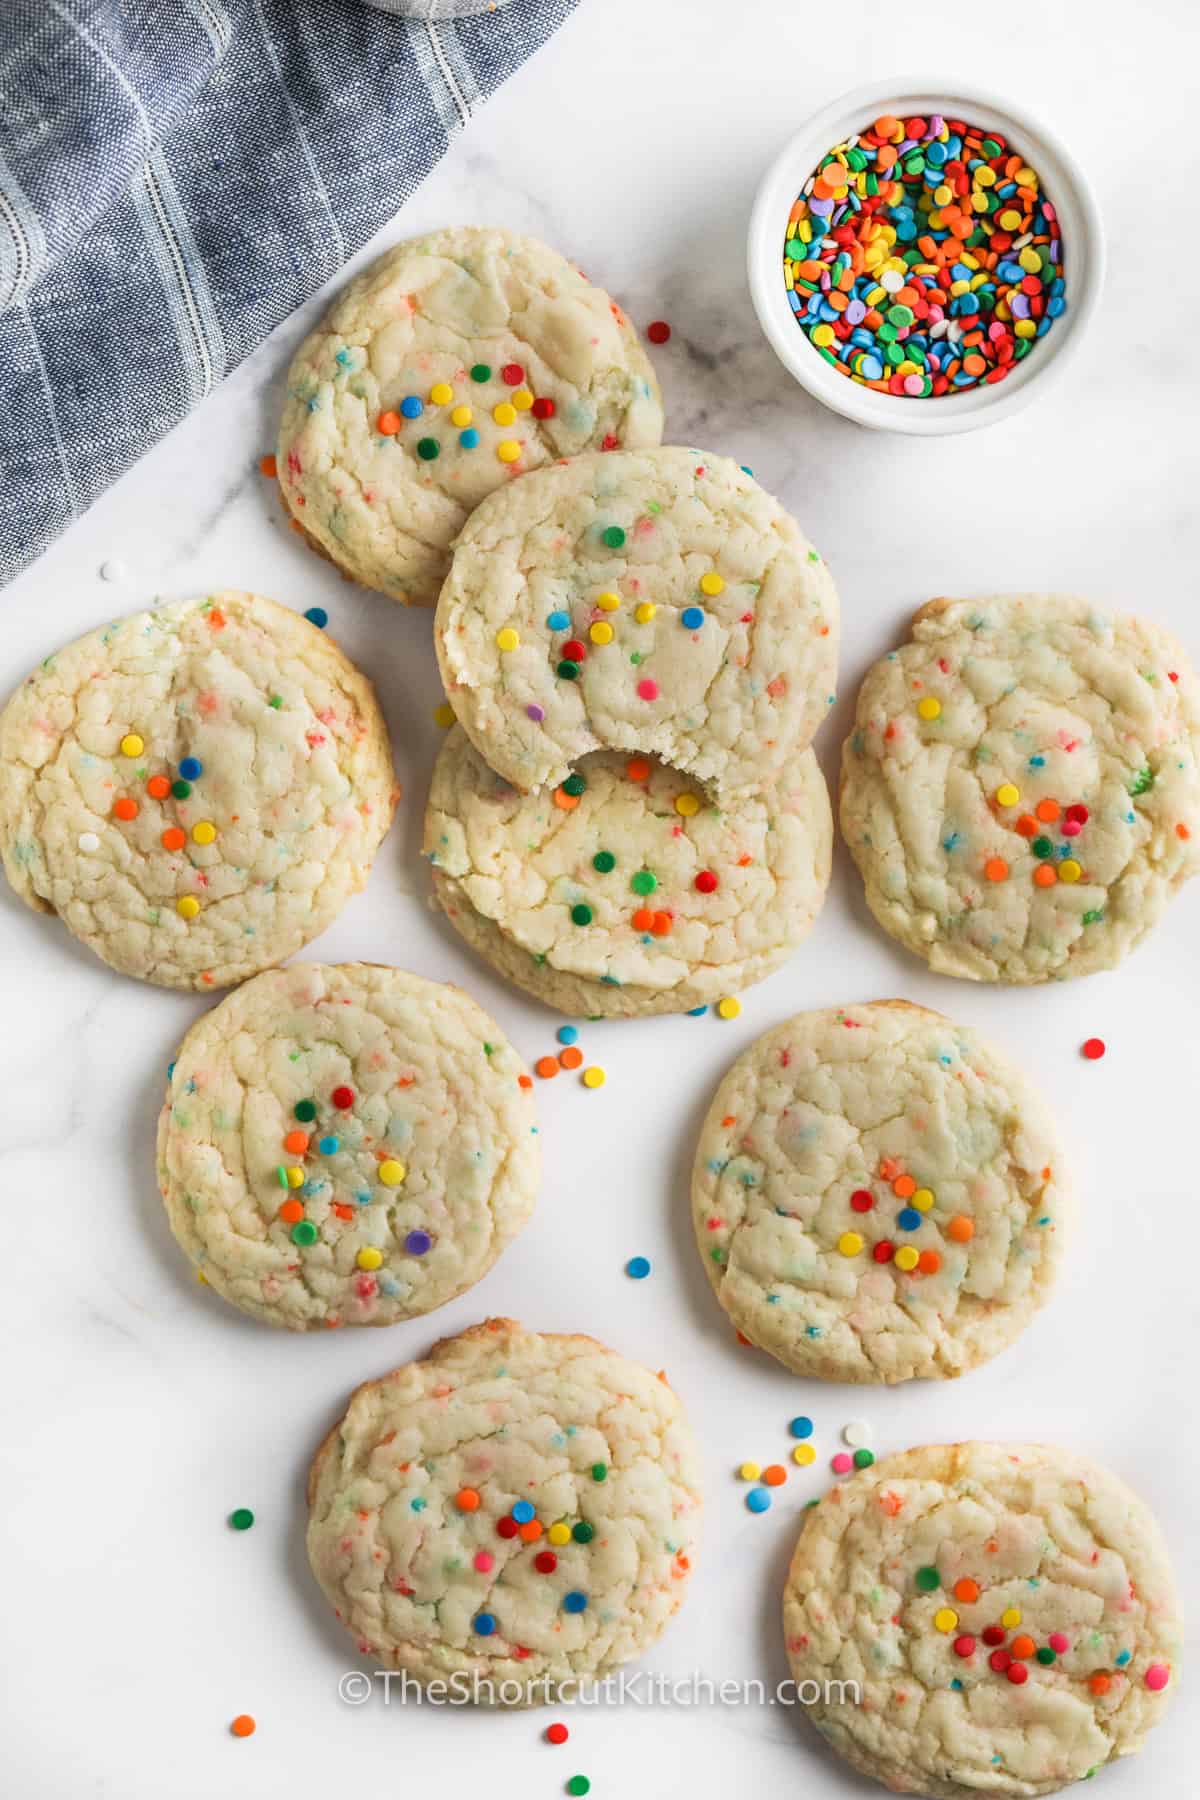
x=1063, y=182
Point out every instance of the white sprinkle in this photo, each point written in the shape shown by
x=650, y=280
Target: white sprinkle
x=88, y=841
x=1026, y=237
x=892, y=280
x=857, y=1434
x=939, y=328
x=113, y=570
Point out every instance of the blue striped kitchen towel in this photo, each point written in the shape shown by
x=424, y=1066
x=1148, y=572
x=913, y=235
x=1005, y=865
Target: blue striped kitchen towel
x=176, y=176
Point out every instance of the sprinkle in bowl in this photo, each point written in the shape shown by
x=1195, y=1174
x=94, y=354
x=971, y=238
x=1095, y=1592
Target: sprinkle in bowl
x=984, y=257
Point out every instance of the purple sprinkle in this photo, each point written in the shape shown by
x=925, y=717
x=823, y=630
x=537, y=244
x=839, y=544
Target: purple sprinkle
x=536, y=713
x=856, y=312
x=1019, y=305
x=418, y=1242
x=822, y=208
x=936, y=122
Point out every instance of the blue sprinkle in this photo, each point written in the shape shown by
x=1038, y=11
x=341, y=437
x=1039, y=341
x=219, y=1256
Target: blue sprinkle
x=329, y=1146
x=1123, y=1658
x=692, y=617
x=191, y=768
x=908, y=1219
x=638, y=1267
x=758, y=1500
x=1037, y=762
x=697, y=1012
x=575, y=1602
x=747, y=471
x=170, y=1070
x=411, y=407
x=418, y=1505
x=558, y=621
x=801, y=1427
x=567, y=1034
x=316, y=615
x=523, y=1511
x=485, y=1624
x=469, y=439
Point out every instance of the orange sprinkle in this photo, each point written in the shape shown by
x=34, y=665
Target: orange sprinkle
x=661, y=924
x=388, y=424
x=546, y=1066
x=1027, y=825
x=564, y=801
x=966, y=1590
x=243, y=1726
x=570, y=1059
x=929, y=1262
x=342, y=1212
x=268, y=466
x=1022, y=1647
x=296, y=1142
x=1047, y=811
x=467, y=1500
x=531, y=1531
x=291, y=1212
x=903, y=1186
x=158, y=787
x=960, y=1230
x=996, y=869
x=524, y=1081
x=1100, y=1682
x=173, y=838
x=216, y=619
x=638, y=769
x=728, y=1120
x=775, y=1475
x=1045, y=875
x=1181, y=830
x=643, y=919
x=124, y=808
x=889, y=1168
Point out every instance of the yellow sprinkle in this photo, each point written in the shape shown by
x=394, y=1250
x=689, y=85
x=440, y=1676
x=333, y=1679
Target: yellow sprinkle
x=462, y=415
x=850, y=1243
x=906, y=1258
x=509, y=450
x=1025, y=178
x=441, y=393
x=985, y=177
x=507, y=638
x=729, y=1008
x=929, y=708
x=295, y=1177
x=1011, y=1618
x=943, y=195
x=804, y=1454
x=608, y=602
x=945, y=1619
x=187, y=907
x=392, y=1173
x=687, y=805
x=601, y=633
x=1025, y=328
x=823, y=336
x=645, y=612
x=201, y=1276
x=1009, y=219
x=712, y=583
x=443, y=715
x=559, y=1533
x=205, y=832
x=594, y=1078
x=369, y=1258
x=132, y=744
x=1030, y=261
x=522, y=399
x=922, y=1199
x=1007, y=794
x=504, y=414
x=749, y=1471
x=1069, y=870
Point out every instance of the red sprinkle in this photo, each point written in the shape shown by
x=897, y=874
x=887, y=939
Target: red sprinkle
x=994, y=1634
x=545, y=1562
x=965, y=1645
x=1017, y=1673
x=543, y=409
x=1001, y=1661
x=658, y=331
x=1094, y=1049
x=512, y=374
x=557, y=1734
x=507, y=1527
x=706, y=882
x=862, y=1200
x=343, y=1098
x=573, y=651
x=883, y=1251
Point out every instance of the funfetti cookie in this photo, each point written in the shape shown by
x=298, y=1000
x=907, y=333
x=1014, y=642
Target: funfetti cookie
x=625, y=891
x=1020, y=791
x=456, y=362
x=346, y=1145
x=878, y=1194
x=195, y=791
x=515, y=1516
x=657, y=602
x=982, y=1619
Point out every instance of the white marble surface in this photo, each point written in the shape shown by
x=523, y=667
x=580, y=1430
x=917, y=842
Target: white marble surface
x=138, y=1410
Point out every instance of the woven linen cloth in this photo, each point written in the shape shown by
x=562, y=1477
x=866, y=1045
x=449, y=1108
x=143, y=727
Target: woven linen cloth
x=176, y=176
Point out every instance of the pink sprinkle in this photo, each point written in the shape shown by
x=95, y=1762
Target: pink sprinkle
x=484, y=1561
x=913, y=384
x=842, y=1464
x=647, y=690
x=1071, y=828
x=1058, y=1643
x=536, y=713
x=1157, y=1677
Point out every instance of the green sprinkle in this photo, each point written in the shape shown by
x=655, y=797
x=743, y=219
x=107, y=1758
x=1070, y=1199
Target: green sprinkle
x=181, y=789
x=1092, y=917
x=613, y=536
x=304, y=1232
x=428, y=449
x=604, y=862
x=579, y=1784
x=480, y=372
x=574, y=784
x=599, y=1471
x=567, y=671
x=276, y=701
x=583, y=1533
x=305, y=1111
x=581, y=914
x=928, y=1579
x=1042, y=847
x=644, y=882
x=281, y=1175
x=242, y=1519
x=1142, y=780
x=1046, y=1655
x=863, y=1459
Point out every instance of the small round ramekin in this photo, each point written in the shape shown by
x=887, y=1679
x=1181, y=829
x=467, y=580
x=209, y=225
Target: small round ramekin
x=1063, y=182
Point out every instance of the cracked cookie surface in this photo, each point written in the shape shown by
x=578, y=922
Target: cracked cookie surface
x=196, y=791
x=1021, y=790
x=346, y=1144
x=412, y=1534
x=533, y=357
x=878, y=1195
x=633, y=895
x=655, y=601
x=926, y=1578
